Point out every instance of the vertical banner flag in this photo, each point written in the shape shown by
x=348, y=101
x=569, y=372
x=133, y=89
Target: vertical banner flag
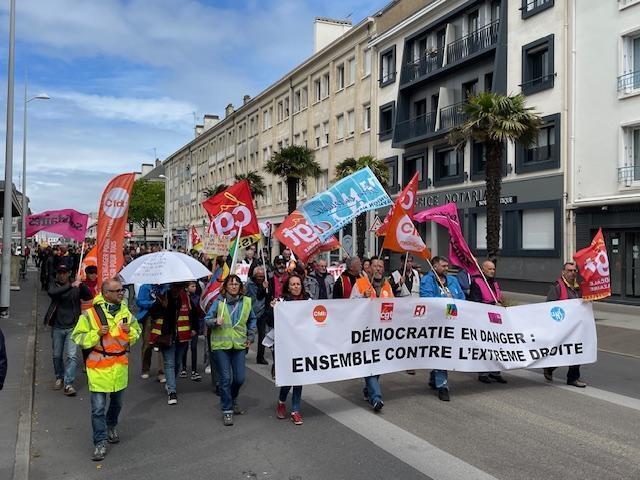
x=232, y=210
x=343, y=201
x=302, y=238
x=406, y=200
x=196, y=241
x=459, y=252
x=69, y=223
x=112, y=220
x=402, y=235
x=593, y=264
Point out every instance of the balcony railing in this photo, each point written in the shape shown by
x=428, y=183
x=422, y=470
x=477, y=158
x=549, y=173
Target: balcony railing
x=416, y=127
x=628, y=174
x=428, y=62
x=452, y=116
x=474, y=42
x=629, y=81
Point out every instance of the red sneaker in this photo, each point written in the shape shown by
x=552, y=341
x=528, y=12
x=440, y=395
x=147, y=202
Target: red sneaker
x=281, y=411
x=296, y=418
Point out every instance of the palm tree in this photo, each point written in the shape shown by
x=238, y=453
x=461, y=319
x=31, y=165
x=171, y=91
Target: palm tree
x=256, y=183
x=294, y=164
x=380, y=170
x=495, y=119
x=214, y=190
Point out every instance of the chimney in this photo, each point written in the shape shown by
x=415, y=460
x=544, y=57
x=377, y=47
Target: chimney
x=327, y=30
x=146, y=168
x=246, y=99
x=228, y=110
x=199, y=130
x=158, y=162
x=210, y=121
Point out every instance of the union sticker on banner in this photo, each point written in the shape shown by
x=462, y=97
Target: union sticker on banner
x=344, y=200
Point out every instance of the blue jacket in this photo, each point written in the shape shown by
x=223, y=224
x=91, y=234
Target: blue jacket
x=430, y=287
x=146, y=298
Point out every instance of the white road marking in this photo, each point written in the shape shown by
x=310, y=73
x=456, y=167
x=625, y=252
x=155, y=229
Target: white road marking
x=405, y=446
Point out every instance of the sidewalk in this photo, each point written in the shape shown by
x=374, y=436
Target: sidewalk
x=15, y=394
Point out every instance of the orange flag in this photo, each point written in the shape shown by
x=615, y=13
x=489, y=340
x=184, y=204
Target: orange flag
x=90, y=259
x=402, y=235
x=406, y=201
x=112, y=220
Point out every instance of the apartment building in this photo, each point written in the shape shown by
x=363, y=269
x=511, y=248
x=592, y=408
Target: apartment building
x=427, y=66
x=323, y=104
x=604, y=187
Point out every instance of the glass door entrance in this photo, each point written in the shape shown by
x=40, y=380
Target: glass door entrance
x=623, y=248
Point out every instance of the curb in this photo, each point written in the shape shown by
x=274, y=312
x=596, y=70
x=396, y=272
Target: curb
x=23, y=440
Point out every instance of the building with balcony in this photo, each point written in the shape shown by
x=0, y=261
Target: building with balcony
x=445, y=52
x=604, y=186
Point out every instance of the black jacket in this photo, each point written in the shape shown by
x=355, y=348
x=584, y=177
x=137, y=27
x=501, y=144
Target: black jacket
x=169, y=316
x=3, y=360
x=67, y=299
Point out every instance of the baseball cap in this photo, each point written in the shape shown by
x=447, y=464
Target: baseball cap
x=62, y=268
x=279, y=259
x=91, y=269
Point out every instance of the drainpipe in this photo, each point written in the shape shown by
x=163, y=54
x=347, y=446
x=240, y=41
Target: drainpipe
x=569, y=110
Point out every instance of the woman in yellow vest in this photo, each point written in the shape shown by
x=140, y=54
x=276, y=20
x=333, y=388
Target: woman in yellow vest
x=233, y=326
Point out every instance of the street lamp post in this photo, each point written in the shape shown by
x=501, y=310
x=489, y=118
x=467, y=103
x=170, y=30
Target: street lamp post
x=167, y=212
x=24, y=206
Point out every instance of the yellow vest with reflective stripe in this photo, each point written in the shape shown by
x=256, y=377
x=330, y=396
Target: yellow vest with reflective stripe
x=228, y=336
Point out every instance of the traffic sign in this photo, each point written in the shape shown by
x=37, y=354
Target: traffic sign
x=377, y=223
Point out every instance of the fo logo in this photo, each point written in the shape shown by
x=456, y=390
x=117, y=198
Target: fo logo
x=451, y=311
x=319, y=314
x=557, y=314
x=420, y=311
x=386, y=312
x=116, y=202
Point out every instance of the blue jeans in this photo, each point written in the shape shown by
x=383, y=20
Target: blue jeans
x=171, y=358
x=62, y=344
x=439, y=379
x=230, y=369
x=99, y=420
x=295, y=397
x=372, y=389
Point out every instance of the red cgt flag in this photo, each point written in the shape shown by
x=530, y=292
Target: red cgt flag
x=402, y=235
x=296, y=233
x=593, y=264
x=231, y=209
x=406, y=200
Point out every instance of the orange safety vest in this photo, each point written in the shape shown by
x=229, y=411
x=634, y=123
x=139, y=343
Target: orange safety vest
x=183, y=323
x=111, y=350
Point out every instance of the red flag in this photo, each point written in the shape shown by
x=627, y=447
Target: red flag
x=196, y=241
x=296, y=233
x=112, y=220
x=402, y=235
x=593, y=264
x=459, y=252
x=406, y=200
x=231, y=209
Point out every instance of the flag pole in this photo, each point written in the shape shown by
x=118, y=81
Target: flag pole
x=485, y=279
x=264, y=264
x=81, y=258
x=404, y=270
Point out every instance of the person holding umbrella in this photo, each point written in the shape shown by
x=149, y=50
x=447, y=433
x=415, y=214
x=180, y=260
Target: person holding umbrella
x=233, y=325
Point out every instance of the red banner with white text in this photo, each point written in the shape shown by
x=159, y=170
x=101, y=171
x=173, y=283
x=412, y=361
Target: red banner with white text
x=593, y=264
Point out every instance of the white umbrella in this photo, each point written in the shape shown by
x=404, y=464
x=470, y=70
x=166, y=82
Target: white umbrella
x=163, y=267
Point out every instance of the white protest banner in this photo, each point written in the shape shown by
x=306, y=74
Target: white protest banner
x=331, y=340
x=215, y=245
x=336, y=270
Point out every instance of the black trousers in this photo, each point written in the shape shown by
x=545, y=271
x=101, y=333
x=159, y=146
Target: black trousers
x=262, y=331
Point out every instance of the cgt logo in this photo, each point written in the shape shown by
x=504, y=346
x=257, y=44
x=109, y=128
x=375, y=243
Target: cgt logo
x=116, y=203
x=420, y=311
x=451, y=311
x=495, y=318
x=386, y=312
x=319, y=314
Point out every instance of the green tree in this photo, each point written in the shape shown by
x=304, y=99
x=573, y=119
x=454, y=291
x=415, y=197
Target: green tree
x=147, y=204
x=256, y=183
x=294, y=164
x=494, y=120
x=212, y=191
x=381, y=171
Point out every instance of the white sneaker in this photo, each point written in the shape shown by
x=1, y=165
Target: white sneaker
x=145, y=375
x=207, y=370
x=162, y=378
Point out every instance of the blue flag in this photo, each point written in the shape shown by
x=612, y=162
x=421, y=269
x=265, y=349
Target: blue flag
x=334, y=208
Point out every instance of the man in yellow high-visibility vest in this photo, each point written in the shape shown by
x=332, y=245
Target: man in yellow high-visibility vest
x=108, y=329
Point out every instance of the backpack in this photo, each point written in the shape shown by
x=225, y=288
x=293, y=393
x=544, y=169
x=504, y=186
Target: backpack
x=103, y=321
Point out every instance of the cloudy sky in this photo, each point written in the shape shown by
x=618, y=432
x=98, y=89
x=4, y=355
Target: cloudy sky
x=126, y=75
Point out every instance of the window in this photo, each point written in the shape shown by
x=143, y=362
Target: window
x=366, y=118
x=296, y=139
x=268, y=200
x=297, y=96
x=469, y=89
x=629, y=170
x=538, y=229
x=488, y=82
x=322, y=182
x=629, y=80
x=286, y=107
x=412, y=163
x=280, y=111
x=386, y=121
x=280, y=191
x=317, y=90
x=479, y=160
x=448, y=165
x=387, y=66
x=304, y=98
x=316, y=134
x=537, y=66
x=531, y=7
x=481, y=231
x=339, y=127
x=305, y=141
x=473, y=19
x=545, y=153
x=325, y=85
x=266, y=118
x=392, y=165
x=366, y=62
x=495, y=10
x=325, y=132
x=340, y=77
x=351, y=71
x=351, y=123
